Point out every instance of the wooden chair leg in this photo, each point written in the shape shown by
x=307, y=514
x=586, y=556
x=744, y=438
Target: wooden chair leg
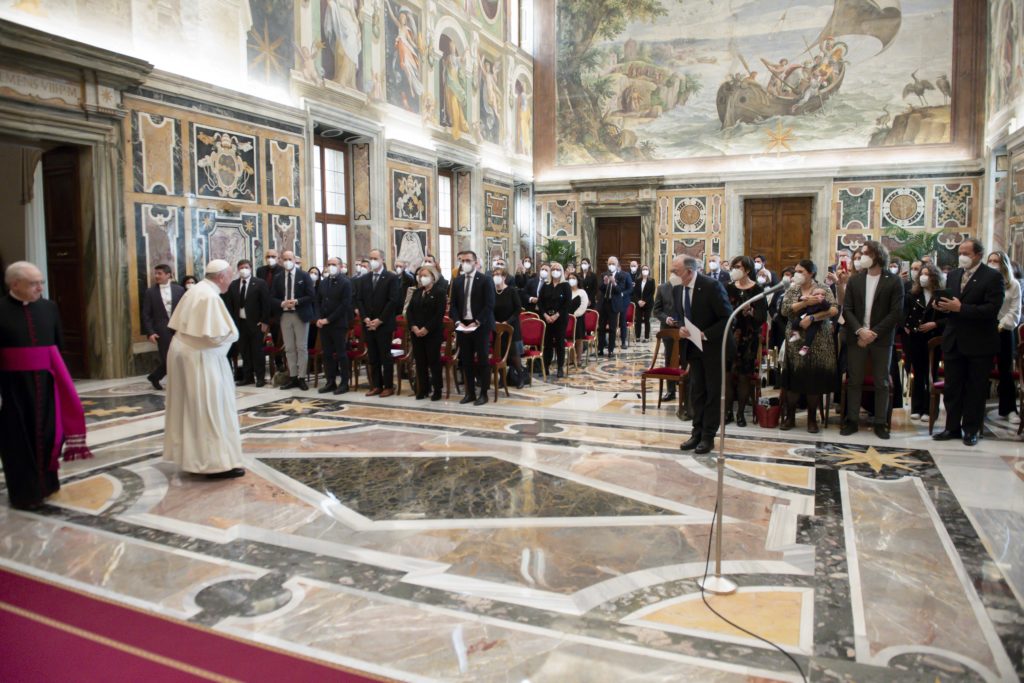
x=643, y=395
x=661, y=390
x=504, y=378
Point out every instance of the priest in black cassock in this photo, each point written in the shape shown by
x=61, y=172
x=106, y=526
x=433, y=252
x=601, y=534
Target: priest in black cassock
x=40, y=414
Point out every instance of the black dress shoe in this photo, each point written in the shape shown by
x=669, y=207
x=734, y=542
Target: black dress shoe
x=704, y=447
x=260, y=383
x=228, y=474
x=668, y=398
x=468, y=398
x=342, y=389
x=728, y=418
x=292, y=383
x=691, y=443
x=302, y=384
x=561, y=373
x=243, y=382
x=327, y=388
x=881, y=431
x=849, y=428
x=741, y=421
x=947, y=435
x=971, y=439
x=436, y=397
x=420, y=397
x=481, y=401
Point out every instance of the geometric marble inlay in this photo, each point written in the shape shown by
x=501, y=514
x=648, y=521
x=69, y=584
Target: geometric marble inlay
x=390, y=488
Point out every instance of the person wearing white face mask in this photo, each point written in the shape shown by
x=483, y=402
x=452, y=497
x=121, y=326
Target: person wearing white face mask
x=643, y=301
x=267, y=272
x=813, y=373
x=588, y=281
x=554, y=306
x=970, y=340
x=746, y=332
x=425, y=316
x=335, y=313
x=872, y=312
x=506, y=310
x=715, y=270
x=531, y=294
x=612, y=301
x=921, y=324
x=293, y=294
x=249, y=304
x=431, y=262
x=379, y=299
x=472, y=306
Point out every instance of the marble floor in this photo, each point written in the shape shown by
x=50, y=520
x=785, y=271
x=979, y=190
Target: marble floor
x=556, y=535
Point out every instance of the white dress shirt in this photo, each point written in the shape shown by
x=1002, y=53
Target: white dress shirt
x=165, y=294
x=870, y=286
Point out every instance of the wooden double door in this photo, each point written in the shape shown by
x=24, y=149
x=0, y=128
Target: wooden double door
x=617, y=236
x=779, y=228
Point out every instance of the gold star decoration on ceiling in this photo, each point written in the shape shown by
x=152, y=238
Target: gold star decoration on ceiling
x=298, y=406
x=875, y=460
x=779, y=139
x=267, y=52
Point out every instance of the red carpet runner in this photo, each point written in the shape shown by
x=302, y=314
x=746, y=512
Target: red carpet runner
x=48, y=633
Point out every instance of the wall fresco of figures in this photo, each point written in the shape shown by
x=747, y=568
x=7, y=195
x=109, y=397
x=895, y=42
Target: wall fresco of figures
x=878, y=210
x=1006, y=58
x=669, y=80
x=204, y=186
x=412, y=191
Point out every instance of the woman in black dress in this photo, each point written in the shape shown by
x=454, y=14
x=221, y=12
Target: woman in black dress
x=588, y=281
x=553, y=303
x=506, y=310
x=425, y=317
x=921, y=325
x=643, y=298
x=746, y=331
x=314, y=275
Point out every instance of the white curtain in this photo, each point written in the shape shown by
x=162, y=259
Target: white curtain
x=35, y=226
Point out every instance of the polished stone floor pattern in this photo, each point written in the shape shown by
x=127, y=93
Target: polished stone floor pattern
x=556, y=535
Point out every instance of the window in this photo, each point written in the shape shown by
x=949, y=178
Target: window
x=514, y=25
x=445, y=220
x=526, y=25
x=331, y=230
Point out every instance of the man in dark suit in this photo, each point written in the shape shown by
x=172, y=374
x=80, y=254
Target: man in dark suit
x=379, y=300
x=873, y=311
x=529, y=295
x=613, y=294
x=158, y=303
x=472, y=305
x=335, y=316
x=267, y=273
x=293, y=294
x=701, y=300
x=970, y=340
x=715, y=271
x=249, y=299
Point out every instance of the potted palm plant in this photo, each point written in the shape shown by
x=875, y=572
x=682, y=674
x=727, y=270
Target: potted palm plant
x=562, y=251
x=913, y=245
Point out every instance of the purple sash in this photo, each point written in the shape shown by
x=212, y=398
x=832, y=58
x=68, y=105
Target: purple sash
x=69, y=426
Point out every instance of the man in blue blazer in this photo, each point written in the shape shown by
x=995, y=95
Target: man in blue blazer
x=293, y=296
x=334, y=307
x=472, y=305
x=613, y=294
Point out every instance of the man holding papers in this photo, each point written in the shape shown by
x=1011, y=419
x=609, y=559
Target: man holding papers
x=700, y=311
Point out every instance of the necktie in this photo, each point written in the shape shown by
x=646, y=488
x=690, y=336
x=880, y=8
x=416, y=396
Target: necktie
x=245, y=284
x=288, y=289
x=686, y=303
x=375, y=276
x=469, y=286
x=964, y=280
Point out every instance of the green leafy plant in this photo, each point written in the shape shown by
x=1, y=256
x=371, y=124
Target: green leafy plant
x=913, y=245
x=562, y=251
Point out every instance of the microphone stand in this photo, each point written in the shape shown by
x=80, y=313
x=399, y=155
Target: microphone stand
x=717, y=583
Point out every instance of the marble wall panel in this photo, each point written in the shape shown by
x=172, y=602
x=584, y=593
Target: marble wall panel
x=156, y=151
x=226, y=236
x=285, y=233
x=160, y=239
x=496, y=210
x=361, y=182
x=464, y=201
x=283, y=173
x=225, y=163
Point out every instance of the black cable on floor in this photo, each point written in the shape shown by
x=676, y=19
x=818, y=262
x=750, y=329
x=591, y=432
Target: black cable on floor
x=707, y=564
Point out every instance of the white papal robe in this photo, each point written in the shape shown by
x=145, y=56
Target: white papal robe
x=202, y=433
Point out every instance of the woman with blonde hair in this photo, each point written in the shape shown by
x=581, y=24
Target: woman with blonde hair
x=1009, y=318
x=553, y=305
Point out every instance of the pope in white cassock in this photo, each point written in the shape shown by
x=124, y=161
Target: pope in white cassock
x=202, y=433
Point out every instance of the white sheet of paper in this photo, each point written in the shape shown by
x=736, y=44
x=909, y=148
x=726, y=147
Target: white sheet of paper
x=460, y=327
x=695, y=333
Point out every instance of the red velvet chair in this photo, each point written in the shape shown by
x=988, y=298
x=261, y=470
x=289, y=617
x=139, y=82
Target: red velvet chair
x=672, y=372
x=532, y=330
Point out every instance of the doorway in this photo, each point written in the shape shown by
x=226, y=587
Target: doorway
x=779, y=228
x=64, y=252
x=618, y=236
